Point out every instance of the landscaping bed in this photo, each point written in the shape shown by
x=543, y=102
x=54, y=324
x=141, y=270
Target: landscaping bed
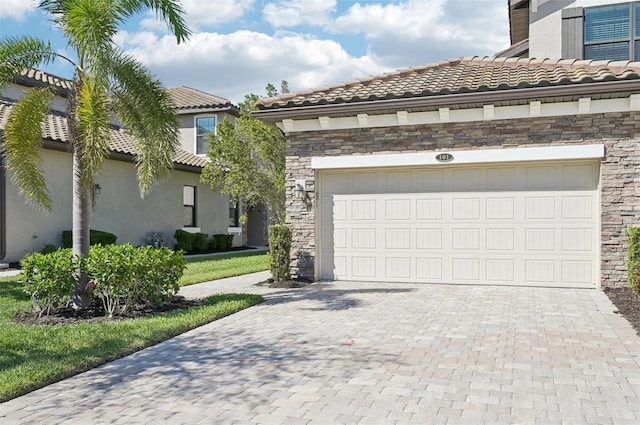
x=96, y=313
x=628, y=304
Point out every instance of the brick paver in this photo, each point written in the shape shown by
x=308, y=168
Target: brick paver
x=361, y=353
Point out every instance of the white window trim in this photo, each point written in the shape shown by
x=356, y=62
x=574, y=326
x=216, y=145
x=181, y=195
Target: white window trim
x=195, y=131
x=477, y=156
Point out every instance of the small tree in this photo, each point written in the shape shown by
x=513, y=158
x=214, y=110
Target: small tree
x=248, y=159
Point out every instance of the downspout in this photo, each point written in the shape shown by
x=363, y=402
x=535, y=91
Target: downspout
x=3, y=211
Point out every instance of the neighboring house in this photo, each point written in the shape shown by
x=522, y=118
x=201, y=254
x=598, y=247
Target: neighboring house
x=179, y=202
x=574, y=29
x=475, y=170
x=199, y=114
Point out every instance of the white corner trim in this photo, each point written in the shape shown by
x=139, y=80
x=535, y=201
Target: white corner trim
x=287, y=125
x=477, y=156
x=634, y=102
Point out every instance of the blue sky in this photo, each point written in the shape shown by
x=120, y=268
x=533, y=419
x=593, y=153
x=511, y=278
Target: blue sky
x=239, y=46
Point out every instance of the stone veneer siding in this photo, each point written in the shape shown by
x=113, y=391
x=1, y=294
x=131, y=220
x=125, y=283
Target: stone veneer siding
x=620, y=178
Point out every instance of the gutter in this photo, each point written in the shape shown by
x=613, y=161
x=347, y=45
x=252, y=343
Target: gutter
x=366, y=106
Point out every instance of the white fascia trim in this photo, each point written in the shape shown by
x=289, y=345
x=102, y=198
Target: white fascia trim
x=546, y=153
x=444, y=115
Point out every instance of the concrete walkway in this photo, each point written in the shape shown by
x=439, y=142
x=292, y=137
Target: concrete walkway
x=370, y=353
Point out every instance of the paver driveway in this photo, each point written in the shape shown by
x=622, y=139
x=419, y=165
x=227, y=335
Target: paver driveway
x=372, y=353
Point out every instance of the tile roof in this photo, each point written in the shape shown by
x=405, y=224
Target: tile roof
x=463, y=75
x=188, y=98
x=55, y=129
x=35, y=77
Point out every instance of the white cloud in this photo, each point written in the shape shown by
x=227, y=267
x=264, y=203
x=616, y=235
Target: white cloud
x=232, y=65
x=290, y=13
x=427, y=30
x=16, y=9
x=203, y=13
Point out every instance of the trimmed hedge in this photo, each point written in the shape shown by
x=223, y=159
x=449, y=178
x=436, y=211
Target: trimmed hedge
x=96, y=237
x=119, y=275
x=279, y=250
x=633, y=257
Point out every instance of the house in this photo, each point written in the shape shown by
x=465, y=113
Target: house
x=476, y=170
x=179, y=202
x=574, y=29
x=199, y=114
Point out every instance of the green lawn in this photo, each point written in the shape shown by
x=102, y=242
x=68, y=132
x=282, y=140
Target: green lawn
x=34, y=356
x=211, y=267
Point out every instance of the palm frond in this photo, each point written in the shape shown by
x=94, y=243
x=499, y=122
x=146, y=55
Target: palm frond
x=169, y=11
x=20, y=53
x=22, y=142
x=92, y=129
x=147, y=111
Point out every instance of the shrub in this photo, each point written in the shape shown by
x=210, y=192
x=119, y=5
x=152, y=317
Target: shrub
x=279, y=250
x=158, y=272
x=123, y=274
x=96, y=237
x=200, y=242
x=184, y=240
x=48, y=279
x=633, y=257
x=222, y=242
x=111, y=269
x=48, y=249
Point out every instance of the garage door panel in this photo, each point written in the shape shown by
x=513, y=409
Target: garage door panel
x=524, y=236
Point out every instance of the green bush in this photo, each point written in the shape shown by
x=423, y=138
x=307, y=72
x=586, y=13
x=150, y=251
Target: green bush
x=48, y=278
x=184, y=240
x=158, y=272
x=96, y=237
x=200, y=242
x=279, y=250
x=119, y=275
x=222, y=242
x=122, y=274
x=633, y=257
x=48, y=249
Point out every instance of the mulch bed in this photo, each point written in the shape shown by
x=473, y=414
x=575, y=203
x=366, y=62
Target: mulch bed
x=628, y=304
x=292, y=283
x=95, y=313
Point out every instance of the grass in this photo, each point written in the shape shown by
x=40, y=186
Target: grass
x=34, y=356
x=203, y=269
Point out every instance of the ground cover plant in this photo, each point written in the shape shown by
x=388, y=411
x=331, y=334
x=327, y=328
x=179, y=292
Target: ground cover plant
x=211, y=267
x=33, y=356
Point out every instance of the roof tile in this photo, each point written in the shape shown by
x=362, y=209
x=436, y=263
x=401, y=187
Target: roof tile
x=55, y=129
x=463, y=75
x=188, y=98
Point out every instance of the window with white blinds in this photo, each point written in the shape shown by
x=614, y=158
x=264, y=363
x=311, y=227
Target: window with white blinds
x=612, y=32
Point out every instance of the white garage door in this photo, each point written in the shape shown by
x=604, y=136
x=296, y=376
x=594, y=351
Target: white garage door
x=527, y=224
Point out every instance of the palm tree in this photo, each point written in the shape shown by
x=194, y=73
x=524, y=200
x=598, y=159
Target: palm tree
x=105, y=81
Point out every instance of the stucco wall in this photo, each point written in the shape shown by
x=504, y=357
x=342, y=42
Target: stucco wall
x=187, y=128
x=119, y=208
x=620, y=184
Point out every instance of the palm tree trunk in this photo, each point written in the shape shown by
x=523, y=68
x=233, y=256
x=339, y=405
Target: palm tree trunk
x=81, y=213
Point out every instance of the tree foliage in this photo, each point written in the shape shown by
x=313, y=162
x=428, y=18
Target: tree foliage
x=248, y=159
x=105, y=80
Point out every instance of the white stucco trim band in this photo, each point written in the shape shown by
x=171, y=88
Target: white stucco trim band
x=535, y=108
x=477, y=156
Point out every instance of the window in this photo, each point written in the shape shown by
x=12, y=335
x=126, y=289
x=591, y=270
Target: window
x=234, y=213
x=612, y=32
x=204, y=126
x=189, y=202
